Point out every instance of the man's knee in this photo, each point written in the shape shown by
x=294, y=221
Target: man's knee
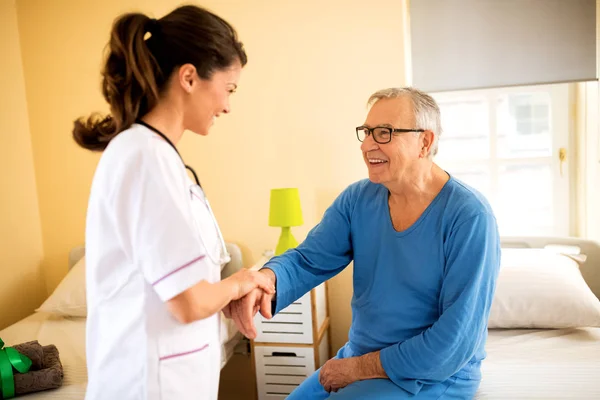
x=311, y=388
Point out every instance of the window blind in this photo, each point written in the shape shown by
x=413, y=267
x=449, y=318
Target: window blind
x=470, y=44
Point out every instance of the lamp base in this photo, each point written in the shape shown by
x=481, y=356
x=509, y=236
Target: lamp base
x=286, y=241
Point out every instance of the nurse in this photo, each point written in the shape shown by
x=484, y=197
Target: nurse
x=154, y=251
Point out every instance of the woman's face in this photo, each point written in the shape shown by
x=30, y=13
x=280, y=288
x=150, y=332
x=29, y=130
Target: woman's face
x=208, y=99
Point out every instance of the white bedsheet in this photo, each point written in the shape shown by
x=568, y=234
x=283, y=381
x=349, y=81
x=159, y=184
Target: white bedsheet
x=68, y=334
x=542, y=364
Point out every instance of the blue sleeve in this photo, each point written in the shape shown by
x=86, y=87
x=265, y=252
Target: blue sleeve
x=325, y=252
x=434, y=355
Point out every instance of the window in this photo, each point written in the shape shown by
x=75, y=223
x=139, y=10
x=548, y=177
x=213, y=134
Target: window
x=506, y=144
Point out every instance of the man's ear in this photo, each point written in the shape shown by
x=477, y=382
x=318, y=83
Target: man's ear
x=427, y=139
x=186, y=76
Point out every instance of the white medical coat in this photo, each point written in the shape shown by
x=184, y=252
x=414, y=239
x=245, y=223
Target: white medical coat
x=148, y=239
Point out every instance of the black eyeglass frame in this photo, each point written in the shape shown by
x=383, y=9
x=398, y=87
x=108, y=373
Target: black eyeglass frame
x=391, y=130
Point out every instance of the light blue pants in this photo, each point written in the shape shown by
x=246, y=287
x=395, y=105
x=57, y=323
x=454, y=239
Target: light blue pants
x=382, y=389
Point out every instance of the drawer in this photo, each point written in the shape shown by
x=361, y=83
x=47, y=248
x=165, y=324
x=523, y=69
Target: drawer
x=293, y=324
x=280, y=369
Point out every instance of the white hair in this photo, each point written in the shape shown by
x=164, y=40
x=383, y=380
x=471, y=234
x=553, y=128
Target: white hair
x=427, y=112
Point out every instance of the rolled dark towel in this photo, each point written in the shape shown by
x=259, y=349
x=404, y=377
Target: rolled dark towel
x=34, y=351
x=49, y=377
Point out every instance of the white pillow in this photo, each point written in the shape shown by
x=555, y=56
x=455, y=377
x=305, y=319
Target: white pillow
x=68, y=299
x=538, y=288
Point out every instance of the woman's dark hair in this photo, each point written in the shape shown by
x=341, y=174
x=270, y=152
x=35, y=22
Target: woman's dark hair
x=137, y=68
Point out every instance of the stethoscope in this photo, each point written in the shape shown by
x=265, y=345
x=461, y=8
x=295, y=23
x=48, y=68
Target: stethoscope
x=199, y=193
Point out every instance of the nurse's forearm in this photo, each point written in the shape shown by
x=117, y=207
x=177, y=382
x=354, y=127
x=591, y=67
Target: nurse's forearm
x=201, y=301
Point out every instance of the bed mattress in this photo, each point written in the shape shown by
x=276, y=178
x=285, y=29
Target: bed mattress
x=68, y=334
x=542, y=364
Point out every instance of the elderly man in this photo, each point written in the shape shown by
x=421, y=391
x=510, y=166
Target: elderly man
x=426, y=255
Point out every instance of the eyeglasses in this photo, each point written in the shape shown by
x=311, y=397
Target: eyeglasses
x=381, y=134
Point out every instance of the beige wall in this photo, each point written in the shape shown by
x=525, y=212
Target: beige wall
x=312, y=65
x=588, y=160
x=21, y=286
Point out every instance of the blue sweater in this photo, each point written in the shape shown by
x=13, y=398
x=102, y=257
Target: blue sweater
x=422, y=296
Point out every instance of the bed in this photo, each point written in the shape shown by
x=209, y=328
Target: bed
x=68, y=332
x=523, y=362
x=549, y=363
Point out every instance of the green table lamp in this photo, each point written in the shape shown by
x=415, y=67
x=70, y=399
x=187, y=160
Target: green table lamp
x=285, y=212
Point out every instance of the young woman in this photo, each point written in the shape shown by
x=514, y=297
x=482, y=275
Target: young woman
x=154, y=251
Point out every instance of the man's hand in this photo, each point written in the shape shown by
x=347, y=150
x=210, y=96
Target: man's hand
x=337, y=374
x=227, y=311
x=243, y=310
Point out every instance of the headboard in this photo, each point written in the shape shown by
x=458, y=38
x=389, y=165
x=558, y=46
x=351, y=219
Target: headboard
x=236, y=263
x=76, y=254
x=590, y=269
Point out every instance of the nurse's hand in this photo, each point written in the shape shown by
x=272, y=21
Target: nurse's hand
x=243, y=310
x=245, y=281
x=205, y=299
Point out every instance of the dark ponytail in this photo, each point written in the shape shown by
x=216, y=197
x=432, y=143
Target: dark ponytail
x=137, y=69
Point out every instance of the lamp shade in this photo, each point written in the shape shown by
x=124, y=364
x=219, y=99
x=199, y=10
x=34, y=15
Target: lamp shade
x=285, y=208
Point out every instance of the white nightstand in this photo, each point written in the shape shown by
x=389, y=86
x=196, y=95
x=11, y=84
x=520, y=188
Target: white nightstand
x=292, y=345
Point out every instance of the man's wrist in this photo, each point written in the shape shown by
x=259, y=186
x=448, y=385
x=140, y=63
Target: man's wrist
x=273, y=278
x=369, y=366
